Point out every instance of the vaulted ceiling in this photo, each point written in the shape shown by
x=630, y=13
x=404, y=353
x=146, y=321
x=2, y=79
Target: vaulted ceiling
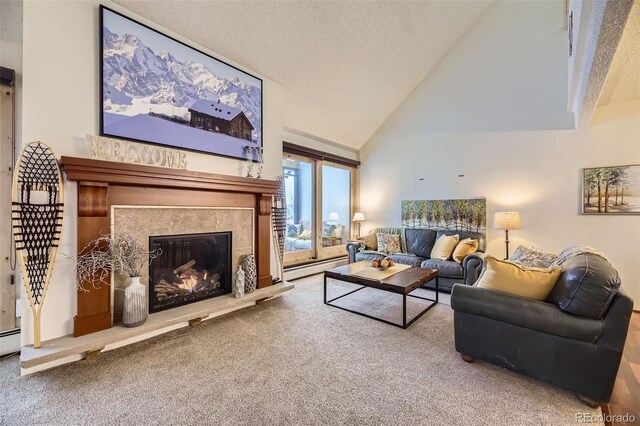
x=623, y=78
x=344, y=66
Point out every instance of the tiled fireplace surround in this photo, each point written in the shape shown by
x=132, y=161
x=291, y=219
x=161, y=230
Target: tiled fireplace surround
x=143, y=222
x=145, y=200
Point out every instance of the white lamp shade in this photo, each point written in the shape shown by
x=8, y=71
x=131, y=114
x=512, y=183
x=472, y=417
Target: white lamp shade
x=358, y=217
x=333, y=216
x=507, y=220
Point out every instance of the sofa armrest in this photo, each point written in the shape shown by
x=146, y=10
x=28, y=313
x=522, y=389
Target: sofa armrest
x=352, y=249
x=531, y=314
x=616, y=322
x=472, y=266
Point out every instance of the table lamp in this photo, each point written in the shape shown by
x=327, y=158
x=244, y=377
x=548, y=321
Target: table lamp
x=507, y=221
x=333, y=217
x=357, y=218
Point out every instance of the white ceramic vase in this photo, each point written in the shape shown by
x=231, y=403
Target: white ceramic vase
x=135, y=306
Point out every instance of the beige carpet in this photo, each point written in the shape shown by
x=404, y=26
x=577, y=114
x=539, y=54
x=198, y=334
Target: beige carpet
x=289, y=361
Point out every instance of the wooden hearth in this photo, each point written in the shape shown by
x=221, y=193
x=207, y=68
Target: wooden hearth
x=102, y=184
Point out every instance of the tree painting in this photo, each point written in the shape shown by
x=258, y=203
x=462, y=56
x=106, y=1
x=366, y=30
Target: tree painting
x=611, y=190
x=459, y=215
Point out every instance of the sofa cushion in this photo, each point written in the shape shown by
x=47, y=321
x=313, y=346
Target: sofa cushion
x=532, y=257
x=482, y=239
x=388, y=243
x=464, y=248
x=531, y=283
x=370, y=241
x=586, y=286
x=420, y=241
x=444, y=246
x=525, y=313
x=396, y=231
x=404, y=258
x=446, y=268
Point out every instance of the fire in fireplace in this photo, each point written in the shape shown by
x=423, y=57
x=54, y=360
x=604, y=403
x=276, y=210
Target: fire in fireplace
x=191, y=268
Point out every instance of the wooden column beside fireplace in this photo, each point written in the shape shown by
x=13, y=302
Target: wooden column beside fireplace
x=102, y=184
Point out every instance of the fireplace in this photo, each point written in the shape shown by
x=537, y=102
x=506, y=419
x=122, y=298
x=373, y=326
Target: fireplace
x=190, y=268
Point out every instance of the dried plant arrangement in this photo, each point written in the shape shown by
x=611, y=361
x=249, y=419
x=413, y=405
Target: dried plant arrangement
x=111, y=253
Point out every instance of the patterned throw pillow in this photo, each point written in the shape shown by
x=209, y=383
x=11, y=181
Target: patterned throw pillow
x=532, y=257
x=293, y=230
x=388, y=243
x=327, y=230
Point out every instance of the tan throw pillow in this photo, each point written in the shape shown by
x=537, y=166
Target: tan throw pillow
x=305, y=235
x=388, y=243
x=370, y=241
x=444, y=246
x=464, y=248
x=532, y=283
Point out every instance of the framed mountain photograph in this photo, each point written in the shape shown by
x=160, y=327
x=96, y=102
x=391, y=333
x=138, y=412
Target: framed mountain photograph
x=611, y=190
x=158, y=90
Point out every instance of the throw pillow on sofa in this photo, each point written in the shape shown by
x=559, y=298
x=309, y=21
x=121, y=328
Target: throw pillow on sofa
x=464, y=248
x=532, y=283
x=305, y=235
x=388, y=243
x=586, y=287
x=370, y=241
x=444, y=246
x=532, y=257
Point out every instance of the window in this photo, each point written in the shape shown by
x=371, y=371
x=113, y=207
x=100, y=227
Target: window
x=320, y=197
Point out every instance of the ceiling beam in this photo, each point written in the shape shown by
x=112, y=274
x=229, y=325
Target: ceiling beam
x=604, y=31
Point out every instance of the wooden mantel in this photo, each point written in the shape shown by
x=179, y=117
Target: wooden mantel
x=102, y=184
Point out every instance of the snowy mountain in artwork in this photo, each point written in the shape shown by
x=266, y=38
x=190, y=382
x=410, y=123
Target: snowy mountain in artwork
x=140, y=83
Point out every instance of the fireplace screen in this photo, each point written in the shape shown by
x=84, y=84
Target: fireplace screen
x=191, y=268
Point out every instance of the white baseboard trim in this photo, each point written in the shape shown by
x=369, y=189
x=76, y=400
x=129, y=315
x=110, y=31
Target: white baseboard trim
x=9, y=342
x=312, y=269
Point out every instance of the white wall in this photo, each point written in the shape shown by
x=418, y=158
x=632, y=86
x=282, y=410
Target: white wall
x=61, y=105
x=436, y=134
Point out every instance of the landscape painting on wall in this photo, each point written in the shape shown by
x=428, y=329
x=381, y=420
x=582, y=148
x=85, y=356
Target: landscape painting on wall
x=459, y=215
x=158, y=90
x=611, y=190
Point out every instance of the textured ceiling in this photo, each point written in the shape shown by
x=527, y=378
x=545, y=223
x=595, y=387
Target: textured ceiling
x=623, y=79
x=11, y=20
x=345, y=66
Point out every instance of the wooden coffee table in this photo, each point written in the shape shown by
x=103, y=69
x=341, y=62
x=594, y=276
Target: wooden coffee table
x=402, y=282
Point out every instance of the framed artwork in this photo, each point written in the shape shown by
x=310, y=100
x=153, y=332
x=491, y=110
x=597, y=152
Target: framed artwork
x=459, y=215
x=158, y=90
x=611, y=190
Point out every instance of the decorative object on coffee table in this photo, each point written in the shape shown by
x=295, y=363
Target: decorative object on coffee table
x=37, y=210
x=250, y=273
x=238, y=287
x=611, y=190
x=382, y=263
x=507, y=221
